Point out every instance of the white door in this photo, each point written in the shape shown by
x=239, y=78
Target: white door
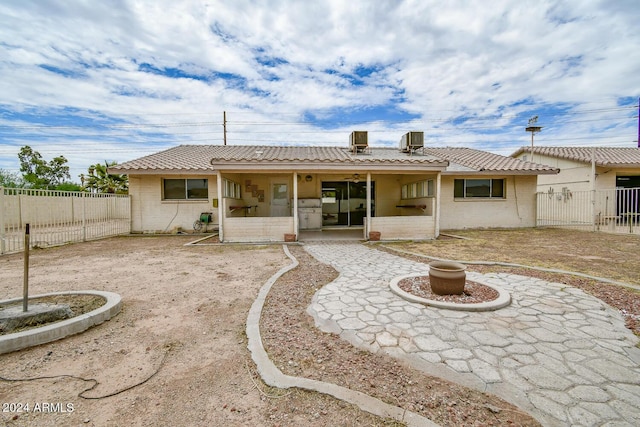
x=280, y=199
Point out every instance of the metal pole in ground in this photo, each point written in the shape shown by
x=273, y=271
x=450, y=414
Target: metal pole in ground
x=25, y=287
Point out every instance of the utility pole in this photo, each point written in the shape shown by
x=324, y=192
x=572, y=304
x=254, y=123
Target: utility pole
x=533, y=129
x=638, y=122
x=224, y=126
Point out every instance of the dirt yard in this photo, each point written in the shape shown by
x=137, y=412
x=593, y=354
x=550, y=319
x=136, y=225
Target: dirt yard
x=178, y=348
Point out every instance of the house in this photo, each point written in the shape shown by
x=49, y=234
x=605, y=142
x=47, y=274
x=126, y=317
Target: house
x=607, y=178
x=273, y=193
x=586, y=168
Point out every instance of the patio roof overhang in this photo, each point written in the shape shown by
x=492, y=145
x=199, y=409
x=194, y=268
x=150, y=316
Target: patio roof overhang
x=500, y=172
x=328, y=167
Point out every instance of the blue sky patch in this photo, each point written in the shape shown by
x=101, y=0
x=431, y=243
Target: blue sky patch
x=63, y=72
x=171, y=72
x=358, y=117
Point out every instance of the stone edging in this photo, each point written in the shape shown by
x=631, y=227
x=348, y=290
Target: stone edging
x=503, y=300
x=64, y=328
x=273, y=377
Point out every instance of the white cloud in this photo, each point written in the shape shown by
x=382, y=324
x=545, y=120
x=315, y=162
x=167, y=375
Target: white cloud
x=493, y=63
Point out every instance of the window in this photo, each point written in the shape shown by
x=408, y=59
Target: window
x=231, y=189
x=418, y=189
x=484, y=188
x=183, y=189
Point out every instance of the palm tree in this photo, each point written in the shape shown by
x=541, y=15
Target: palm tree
x=100, y=181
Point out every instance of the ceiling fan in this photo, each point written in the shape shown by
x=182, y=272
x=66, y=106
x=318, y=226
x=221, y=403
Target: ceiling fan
x=355, y=178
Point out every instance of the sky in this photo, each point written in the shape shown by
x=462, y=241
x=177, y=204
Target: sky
x=98, y=81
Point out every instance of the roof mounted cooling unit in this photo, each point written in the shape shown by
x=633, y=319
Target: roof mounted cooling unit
x=411, y=141
x=358, y=141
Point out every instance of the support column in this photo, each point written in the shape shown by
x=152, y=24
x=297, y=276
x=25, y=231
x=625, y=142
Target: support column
x=438, y=203
x=220, y=207
x=295, y=206
x=367, y=223
x=593, y=188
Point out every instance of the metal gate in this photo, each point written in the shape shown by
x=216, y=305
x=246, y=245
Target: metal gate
x=59, y=217
x=613, y=211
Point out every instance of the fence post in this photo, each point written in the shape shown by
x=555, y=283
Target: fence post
x=2, y=230
x=20, y=209
x=84, y=217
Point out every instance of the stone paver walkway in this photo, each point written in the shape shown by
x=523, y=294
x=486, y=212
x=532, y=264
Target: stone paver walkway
x=558, y=353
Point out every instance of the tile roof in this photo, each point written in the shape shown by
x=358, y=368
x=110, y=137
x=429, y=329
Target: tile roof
x=604, y=156
x=205, y=157
x=182, y=157
x=307, y=154
x=194, y=158
x=471, y=160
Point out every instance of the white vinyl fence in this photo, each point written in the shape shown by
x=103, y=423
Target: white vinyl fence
x=613, y=211
x=59, y=217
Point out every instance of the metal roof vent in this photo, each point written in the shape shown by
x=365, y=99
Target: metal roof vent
x=359, y=142
x=412, y=141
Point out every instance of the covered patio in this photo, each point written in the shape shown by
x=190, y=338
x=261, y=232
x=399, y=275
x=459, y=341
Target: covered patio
x=371, y=200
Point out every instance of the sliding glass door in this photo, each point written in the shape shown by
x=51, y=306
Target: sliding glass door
x=344, y=203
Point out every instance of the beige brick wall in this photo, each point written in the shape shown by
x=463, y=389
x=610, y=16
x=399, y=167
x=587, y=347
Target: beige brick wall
x=257, y=229
x=149, y=213
x=403, y=227
x=576, y=176
x=516, y=210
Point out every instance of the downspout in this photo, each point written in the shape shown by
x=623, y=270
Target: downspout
x=220, y=207
x=367, y=228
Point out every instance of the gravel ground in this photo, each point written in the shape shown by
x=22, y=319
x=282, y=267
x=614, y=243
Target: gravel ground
x=176, y=354
x=298, y=348
x=473, y=292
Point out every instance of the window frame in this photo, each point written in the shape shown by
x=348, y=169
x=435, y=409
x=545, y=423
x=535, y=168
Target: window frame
x=231, y=189
x=186, y=188
x=418, y=189
x=496, y=191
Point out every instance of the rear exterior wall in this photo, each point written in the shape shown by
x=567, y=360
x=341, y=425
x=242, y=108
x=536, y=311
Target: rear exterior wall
x=151, y=214
x=516, y=209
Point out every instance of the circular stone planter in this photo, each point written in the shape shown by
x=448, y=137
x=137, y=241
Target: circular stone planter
x=503, y=300
x=447, y=277
x=64, y=328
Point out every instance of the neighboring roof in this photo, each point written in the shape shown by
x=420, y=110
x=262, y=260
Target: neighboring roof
x=206, y=158
x=471, y=160
x=604, y=156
